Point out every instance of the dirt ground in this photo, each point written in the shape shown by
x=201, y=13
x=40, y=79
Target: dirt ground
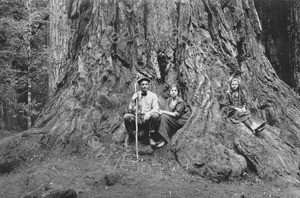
x=113, y=171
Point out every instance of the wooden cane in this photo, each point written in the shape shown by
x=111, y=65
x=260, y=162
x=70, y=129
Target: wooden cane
x=136, y=122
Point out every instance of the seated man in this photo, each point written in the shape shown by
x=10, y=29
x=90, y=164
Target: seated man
x=146, y=113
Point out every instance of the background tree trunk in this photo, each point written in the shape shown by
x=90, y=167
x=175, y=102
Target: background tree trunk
x=198, y=44
x=29, y=51
x=59, y=37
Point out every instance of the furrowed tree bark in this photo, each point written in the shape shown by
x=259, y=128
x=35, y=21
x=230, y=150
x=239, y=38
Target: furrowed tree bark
x=198, y=44
x=59, y=37
x=280, y=21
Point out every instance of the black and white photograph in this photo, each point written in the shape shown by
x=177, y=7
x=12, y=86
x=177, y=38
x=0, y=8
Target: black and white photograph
x=149, y=99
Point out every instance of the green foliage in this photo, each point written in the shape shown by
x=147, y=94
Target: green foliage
x=23, y=54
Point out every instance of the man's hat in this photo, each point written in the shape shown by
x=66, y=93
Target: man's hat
x=143, y=79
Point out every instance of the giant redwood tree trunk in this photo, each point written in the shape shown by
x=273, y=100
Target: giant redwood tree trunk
x=280, y=22
x=198, y=44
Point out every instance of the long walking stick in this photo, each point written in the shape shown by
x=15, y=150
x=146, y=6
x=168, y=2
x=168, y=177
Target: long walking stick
x=136, y=122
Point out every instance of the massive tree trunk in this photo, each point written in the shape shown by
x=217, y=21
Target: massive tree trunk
x=280, y=22
x=198, y=44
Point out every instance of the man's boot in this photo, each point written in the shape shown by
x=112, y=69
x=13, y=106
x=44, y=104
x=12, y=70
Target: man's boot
x=152, y=142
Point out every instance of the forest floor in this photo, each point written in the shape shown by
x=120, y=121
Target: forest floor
x=114, y=172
